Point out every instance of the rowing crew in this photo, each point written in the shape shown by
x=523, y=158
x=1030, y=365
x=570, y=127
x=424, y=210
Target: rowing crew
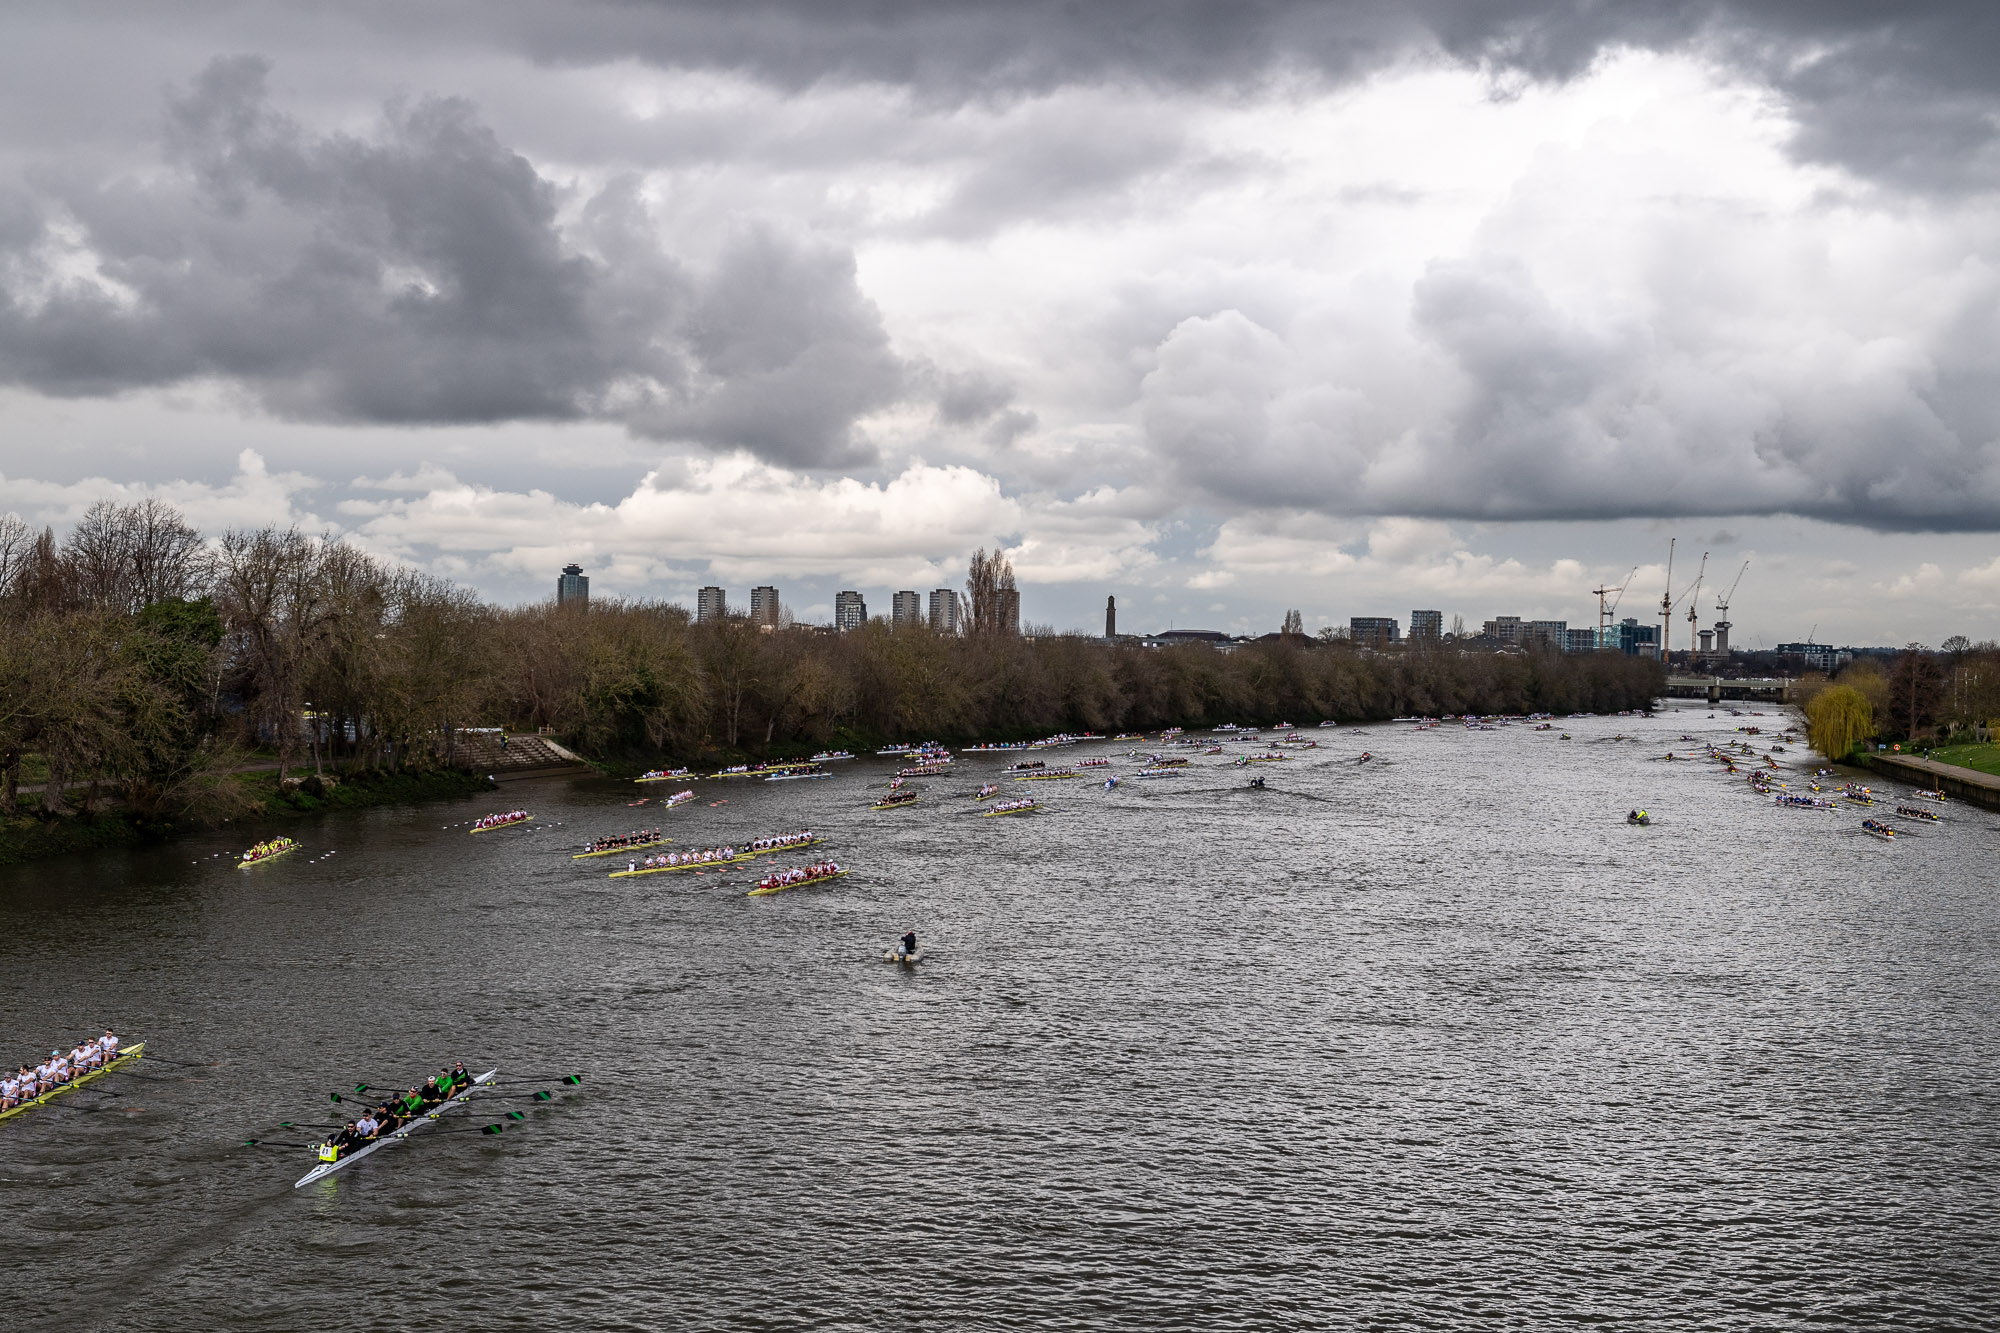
x=657, y=774
x=633, y=839
x=707, y=856
x=30, y=1082
x=803, y=875
x=782, y=841
x=495, y=821
x=272, y=848
x=1005, y=807
x=396, y=1112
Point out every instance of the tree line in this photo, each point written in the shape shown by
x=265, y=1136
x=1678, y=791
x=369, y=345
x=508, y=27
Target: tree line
x=143, y=659
x=1919, y=695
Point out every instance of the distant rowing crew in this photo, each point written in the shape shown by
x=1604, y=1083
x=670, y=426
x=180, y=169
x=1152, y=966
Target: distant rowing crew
x=500, y=821
x=792, y=879
x=30, y=1082
x=395, y=1112
x=719, y=856
x=1014, y=807
x=620, y=841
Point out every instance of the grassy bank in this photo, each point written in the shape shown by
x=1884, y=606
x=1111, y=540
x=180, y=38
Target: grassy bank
x=1978, y=758
x=30, y=838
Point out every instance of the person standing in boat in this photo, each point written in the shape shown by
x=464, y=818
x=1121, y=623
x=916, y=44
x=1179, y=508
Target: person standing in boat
x=909, y=943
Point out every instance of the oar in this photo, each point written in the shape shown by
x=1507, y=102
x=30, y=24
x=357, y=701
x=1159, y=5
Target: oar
x=267, y=1143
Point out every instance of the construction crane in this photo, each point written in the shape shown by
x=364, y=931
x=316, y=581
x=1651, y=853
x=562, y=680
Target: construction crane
x=1606, y=610
x=1722, y=613
x=1667, y=602
x=1695, y=597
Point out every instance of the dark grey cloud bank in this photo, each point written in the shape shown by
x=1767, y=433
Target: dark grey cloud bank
x=1905, y=92
x=422, y=274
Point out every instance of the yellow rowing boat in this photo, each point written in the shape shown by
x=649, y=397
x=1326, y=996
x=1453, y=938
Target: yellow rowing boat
x=271, y=855
x=628, y=847
x=691, y=865
x=804, y=883
x=1017, y=810
x=489, y=828
x=125, y=1054
x=895, y=805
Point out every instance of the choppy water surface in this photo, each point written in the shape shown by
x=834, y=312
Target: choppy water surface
x=1432, y=1041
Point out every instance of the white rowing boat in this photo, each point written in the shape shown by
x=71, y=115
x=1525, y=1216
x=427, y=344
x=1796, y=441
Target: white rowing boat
x=402, y=1132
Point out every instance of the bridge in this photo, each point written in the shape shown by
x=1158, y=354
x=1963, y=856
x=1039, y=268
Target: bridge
x=1716, y=689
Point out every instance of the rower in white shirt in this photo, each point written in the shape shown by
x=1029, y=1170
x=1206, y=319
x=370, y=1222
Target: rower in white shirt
x=108, y=1044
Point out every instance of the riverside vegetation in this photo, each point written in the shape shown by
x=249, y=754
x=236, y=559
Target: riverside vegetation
x=147, y=664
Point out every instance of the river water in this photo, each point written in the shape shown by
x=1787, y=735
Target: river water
x=1436, y=1040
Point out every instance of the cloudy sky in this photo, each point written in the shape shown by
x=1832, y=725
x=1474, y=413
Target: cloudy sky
x=1352, y=307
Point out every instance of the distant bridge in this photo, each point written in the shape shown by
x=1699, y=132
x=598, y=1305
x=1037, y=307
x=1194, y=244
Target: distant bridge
x=1716, y=689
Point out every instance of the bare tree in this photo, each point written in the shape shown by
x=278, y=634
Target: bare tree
x=989, y=576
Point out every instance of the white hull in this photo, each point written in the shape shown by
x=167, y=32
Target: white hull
x=328, y=1168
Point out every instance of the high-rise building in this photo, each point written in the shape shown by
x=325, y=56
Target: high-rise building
x=1636, y=640
x=906, y=608
x=944, y=611
x=1507, y=629
x=1111, y=617
x=1580, y=641
x=849, y=610
x=1427, y=625
x=573, y=585
x=710, y=604
x=1554, y=633
x=764, y=606
x=1009, y=607
x=1373, y=631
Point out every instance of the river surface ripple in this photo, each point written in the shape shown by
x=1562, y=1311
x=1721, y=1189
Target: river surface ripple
x=1434, y=1041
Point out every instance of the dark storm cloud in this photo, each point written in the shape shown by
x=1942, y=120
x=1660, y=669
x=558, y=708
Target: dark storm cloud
x=1906, y=92
x=421, y=274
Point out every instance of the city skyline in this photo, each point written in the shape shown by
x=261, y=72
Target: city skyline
x=1347, y=315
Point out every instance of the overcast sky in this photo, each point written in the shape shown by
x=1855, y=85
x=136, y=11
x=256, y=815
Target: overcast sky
x=1223, y=309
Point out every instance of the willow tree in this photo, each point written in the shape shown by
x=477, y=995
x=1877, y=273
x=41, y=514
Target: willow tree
x=1838, y=720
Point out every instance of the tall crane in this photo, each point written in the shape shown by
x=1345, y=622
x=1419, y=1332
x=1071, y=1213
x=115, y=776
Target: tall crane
x=1606, y=610
x=1722, y=612
x=1667, y=602
x=1695, y=590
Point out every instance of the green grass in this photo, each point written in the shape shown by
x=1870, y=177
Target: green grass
x=1979, y=758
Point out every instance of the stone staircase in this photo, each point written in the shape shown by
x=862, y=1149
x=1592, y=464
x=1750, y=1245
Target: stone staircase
x=520, y=757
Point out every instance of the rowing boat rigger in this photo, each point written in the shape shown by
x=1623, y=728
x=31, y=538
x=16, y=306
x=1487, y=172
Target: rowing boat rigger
x=397, y=1135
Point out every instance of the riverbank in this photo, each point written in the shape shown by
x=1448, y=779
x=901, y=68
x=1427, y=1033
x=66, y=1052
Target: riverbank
x=26, y=838
x=1965, y=784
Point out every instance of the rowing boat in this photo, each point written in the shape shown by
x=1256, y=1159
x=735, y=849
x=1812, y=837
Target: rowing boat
x=125, y=1053
x=400, y=1133
x=1012, y=810
x=690, y=865
x=800, y=884
x=783, y=847
x=628, y=847
x=674, y=776
x=895, y=805
x=509, y=823
x=271, y=855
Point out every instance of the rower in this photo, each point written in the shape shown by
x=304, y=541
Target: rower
x=431, y=1094
x=461, y=1079
x=341, y=1142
